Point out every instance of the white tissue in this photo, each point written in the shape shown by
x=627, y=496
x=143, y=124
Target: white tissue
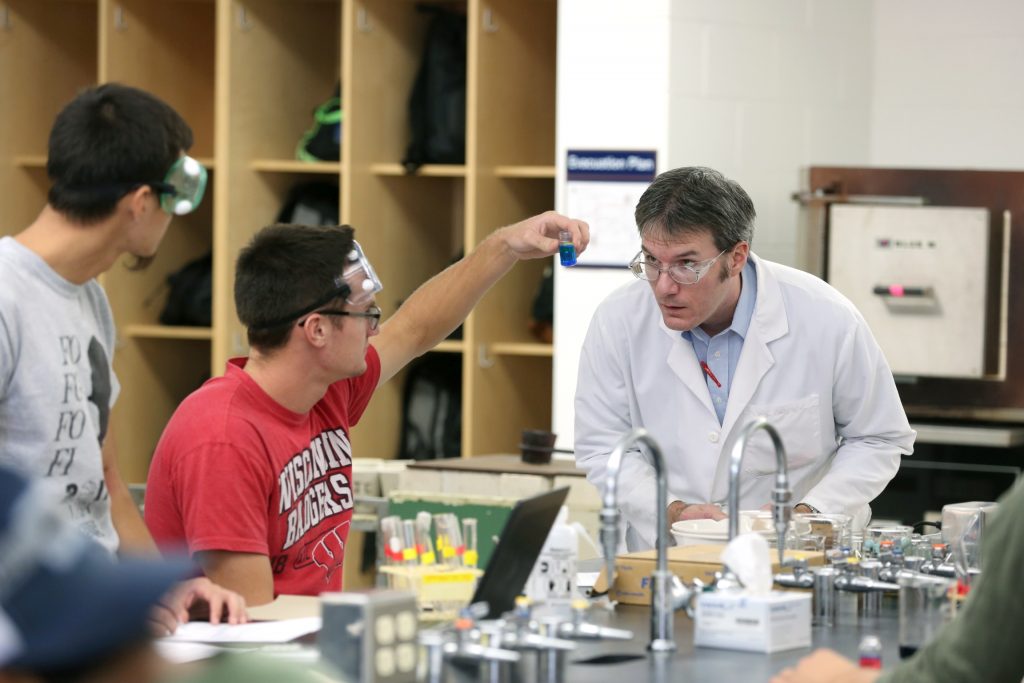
x=749, y=557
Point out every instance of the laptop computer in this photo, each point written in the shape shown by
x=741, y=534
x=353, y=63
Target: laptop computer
x=517, y=551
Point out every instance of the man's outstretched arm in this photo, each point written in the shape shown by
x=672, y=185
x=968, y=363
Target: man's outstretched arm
x=443, y=302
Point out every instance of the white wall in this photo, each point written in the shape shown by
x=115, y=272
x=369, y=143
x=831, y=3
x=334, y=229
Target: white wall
x=613, y=92
x=755, y=88
x=947, y=91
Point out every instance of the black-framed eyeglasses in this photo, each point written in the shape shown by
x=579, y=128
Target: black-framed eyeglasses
x=372, y=315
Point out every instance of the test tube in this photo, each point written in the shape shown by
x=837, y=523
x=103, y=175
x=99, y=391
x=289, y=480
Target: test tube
x=455, y=533
x=390, y=539
x=410, y=555
x=445, y=547
x=424, y=546
x=470, y=557
x=566, y=249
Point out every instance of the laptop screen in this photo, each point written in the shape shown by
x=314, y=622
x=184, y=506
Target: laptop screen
x=517, y=551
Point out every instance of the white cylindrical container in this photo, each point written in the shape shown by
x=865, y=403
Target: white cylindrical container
x=553, y=580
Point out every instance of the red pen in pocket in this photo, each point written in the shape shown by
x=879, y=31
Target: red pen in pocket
x=707, y=371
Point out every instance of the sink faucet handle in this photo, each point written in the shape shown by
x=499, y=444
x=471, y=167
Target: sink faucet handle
x=799, y=564
x=684, y=595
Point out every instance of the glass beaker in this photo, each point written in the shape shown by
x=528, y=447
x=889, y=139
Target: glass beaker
x=822, y=530
x=925, y=606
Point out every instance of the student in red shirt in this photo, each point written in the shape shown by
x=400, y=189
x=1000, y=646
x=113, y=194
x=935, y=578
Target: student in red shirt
x=253, y=474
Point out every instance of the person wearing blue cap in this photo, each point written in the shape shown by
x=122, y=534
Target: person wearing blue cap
x=68, y=610
x=119, y=171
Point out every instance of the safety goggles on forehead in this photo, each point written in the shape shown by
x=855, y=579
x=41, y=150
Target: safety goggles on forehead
x=360, y=276
x=182, y=188
x=357, y=282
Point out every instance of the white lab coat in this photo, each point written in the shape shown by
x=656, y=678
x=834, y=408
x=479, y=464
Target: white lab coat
x=809, y=364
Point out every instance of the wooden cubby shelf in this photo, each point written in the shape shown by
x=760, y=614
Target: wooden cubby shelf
x=296, y=166
x=450, y=346
x=30, y=161
x=167, y=332
x=522, y=349
x=427, y=170
x=539, y=172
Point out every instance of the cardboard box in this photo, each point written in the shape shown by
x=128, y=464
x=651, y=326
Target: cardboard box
x=633, y=570
x=780, y=620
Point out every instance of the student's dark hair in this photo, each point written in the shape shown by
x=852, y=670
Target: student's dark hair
x=695, y=199
x=106, y=142
x=285, y=272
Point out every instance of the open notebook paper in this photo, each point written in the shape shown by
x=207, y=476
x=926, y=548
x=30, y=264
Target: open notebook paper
x=254, y=632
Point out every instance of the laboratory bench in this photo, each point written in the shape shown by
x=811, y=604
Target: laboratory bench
x=630, y=662
x=689, y=663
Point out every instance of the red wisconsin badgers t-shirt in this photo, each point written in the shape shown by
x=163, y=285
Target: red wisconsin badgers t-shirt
x=236, y=471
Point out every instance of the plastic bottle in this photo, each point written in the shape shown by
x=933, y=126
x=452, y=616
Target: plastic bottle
x=566, y=249
x=553, y=580
x=870, y=652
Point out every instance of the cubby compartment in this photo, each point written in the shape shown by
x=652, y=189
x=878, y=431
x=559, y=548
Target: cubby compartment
x=265, y=195
x=514, y=75
x=284, y=61
x=162, y=372
x=138, y=295
x=168, y=48
x=45, y=59
x=503, y=314
x=507, y=394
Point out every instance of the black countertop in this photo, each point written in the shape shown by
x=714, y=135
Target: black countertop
x=688, y=663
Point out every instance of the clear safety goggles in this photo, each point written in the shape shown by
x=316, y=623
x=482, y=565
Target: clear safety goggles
x=358, y=283
x=183, y=187
x=360, y=277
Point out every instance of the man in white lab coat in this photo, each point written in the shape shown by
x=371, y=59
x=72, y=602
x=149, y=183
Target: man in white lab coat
x=712, y=336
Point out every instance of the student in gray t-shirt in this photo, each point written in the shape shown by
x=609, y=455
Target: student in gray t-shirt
x=111, y=154
x=56, y=384
x=119, y=171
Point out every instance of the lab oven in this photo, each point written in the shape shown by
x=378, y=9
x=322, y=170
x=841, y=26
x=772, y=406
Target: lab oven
x=920, y=277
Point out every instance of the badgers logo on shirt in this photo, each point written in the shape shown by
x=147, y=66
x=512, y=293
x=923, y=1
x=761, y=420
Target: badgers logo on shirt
x=314, y=485
x=326, y=552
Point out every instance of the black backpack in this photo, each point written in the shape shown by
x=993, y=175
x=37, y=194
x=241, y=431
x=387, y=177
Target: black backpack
x=322, y=142
x=437, y=105
x=190, y=299
x=432, y=408
x=313, y=203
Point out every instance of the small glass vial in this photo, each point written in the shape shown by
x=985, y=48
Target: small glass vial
x=566, y=249
x=870, y=653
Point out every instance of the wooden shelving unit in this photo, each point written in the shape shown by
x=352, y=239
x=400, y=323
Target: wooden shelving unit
x=247, y=75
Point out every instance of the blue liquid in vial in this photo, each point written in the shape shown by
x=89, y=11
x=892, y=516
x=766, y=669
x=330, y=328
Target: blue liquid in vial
x=567, y=253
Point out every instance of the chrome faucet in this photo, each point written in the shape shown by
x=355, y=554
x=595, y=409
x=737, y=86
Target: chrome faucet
x=662, y=581
x=780, y=494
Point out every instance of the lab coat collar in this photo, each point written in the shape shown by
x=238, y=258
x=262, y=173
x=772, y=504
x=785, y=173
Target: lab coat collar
x=768, y=323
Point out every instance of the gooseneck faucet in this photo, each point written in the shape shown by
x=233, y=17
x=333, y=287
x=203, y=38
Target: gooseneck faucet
x=780, y=494
x=662, y=612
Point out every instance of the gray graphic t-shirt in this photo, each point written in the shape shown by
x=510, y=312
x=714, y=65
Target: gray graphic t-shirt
x=57, y=384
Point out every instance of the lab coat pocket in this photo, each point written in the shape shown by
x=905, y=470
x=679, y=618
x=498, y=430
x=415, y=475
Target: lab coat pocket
x=798, y=424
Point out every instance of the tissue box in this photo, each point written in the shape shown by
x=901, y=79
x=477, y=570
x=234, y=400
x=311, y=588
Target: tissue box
x=633, y=580
x=756, y=623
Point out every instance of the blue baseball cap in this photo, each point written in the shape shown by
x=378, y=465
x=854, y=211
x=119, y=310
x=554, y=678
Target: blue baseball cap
x=64, y=600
